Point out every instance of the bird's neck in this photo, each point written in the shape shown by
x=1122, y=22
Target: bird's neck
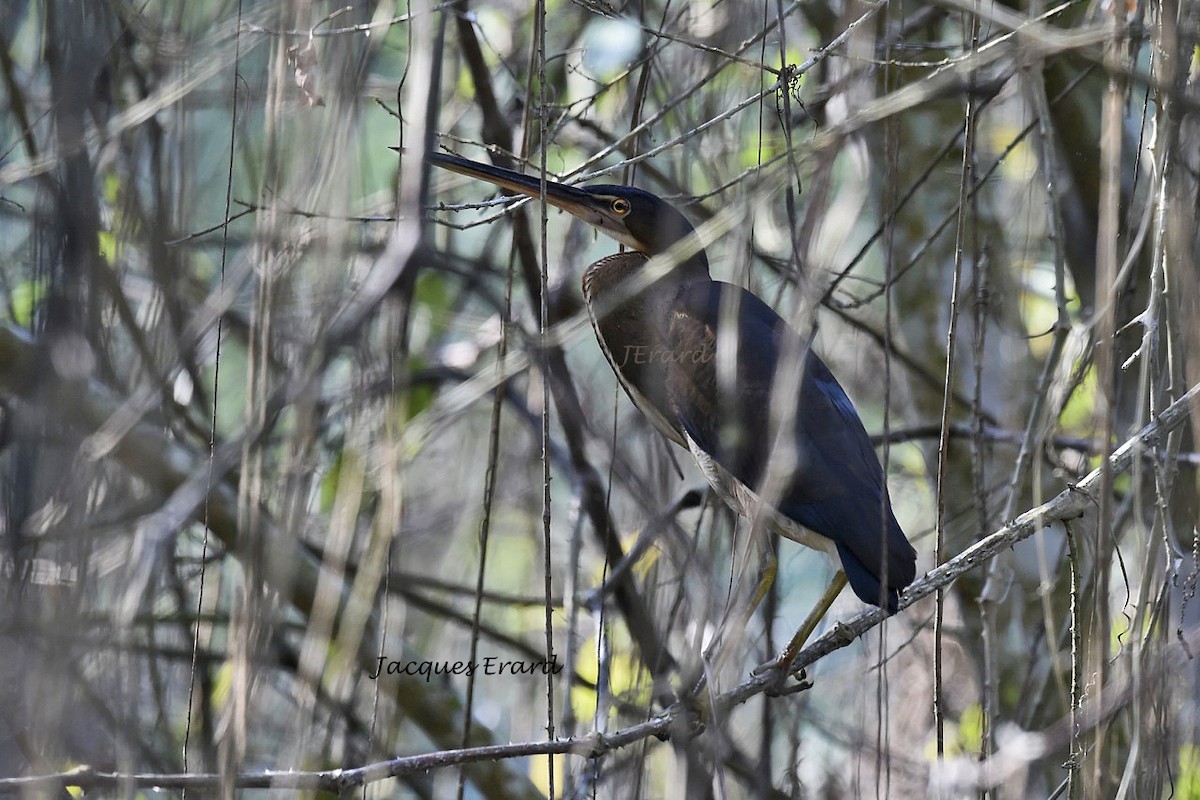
x=692, y=270
x=608, y=273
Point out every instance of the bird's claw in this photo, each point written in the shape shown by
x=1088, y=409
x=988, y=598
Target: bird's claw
x=802, y=684
x=779, y=687
x=779, y=663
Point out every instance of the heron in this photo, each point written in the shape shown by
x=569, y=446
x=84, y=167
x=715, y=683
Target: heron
x=708, y=363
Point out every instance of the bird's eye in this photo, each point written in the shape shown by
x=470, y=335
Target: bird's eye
x=620, y=206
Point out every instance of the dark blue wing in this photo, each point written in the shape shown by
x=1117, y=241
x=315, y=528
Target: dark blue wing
x=836, y=485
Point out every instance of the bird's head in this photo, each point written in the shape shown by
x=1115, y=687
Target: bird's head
x=635, y=218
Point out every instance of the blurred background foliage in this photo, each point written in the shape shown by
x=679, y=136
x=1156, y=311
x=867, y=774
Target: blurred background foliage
x=277, y=401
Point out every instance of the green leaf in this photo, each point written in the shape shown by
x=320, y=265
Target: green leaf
x=25, y=297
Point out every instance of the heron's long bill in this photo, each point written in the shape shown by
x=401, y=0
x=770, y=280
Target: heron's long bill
x=569, y=198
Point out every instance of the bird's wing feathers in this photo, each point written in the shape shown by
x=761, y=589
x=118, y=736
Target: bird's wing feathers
x=835, y=486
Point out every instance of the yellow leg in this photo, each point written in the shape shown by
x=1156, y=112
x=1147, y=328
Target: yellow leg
x=784, y=660
x=765, y=581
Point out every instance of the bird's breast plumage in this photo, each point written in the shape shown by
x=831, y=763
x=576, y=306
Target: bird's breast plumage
x=629, y=326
